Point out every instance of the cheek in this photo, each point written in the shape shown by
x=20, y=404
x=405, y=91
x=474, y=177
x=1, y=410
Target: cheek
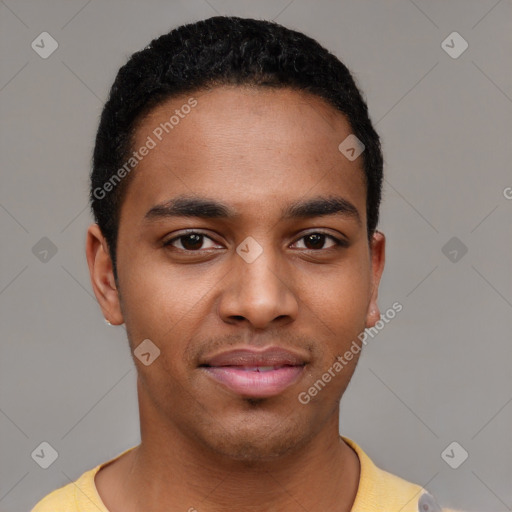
x=156, y=293
x=159, y=305
x=160, y=308
x=339, y=296
x=337, y=305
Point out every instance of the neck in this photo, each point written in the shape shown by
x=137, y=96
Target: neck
x=168, y=470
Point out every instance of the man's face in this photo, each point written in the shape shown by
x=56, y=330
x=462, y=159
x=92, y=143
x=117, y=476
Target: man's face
x=253, y=280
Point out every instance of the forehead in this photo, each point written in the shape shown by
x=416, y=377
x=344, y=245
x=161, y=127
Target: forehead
x=245, y=146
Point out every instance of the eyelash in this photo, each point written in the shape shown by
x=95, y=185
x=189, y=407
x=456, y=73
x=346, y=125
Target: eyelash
x=339, y=242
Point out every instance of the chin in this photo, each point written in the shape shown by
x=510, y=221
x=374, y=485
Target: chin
x=255, y=450
x=257, y=441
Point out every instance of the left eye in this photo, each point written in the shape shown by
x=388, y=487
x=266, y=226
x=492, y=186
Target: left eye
x=318, y=239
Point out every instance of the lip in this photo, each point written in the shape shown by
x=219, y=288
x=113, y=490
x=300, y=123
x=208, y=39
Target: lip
x=256, y=374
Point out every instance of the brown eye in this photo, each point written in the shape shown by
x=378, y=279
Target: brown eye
x=316, y=241
x=192, y=241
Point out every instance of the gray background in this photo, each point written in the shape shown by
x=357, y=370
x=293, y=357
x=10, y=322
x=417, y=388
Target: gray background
x=439, y=372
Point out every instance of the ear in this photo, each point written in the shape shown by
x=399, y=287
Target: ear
x=377, y=254
x=102, y=275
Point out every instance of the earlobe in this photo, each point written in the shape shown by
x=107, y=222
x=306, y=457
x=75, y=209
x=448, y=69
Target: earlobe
x=378, y=246
x=102, y=276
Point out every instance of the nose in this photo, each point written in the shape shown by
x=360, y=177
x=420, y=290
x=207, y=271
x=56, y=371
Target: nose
x=259, y=293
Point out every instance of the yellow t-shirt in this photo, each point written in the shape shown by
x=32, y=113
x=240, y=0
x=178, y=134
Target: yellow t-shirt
x=378, y=490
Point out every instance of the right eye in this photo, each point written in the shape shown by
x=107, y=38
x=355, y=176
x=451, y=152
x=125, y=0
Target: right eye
x=191, y=241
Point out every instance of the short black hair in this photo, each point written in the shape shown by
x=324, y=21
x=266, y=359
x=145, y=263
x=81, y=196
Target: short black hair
x=221, y=50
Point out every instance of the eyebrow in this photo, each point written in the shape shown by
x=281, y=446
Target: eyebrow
x=191, y=206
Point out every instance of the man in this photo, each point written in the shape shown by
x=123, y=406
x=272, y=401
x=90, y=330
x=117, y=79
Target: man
x=236, y=186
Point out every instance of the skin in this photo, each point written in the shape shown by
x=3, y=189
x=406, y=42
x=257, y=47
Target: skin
x=256, y=150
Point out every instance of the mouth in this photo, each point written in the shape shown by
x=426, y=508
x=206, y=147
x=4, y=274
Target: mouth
x=255, y=374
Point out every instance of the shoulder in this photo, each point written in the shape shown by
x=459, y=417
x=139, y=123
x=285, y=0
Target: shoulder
x=379, y=489
x=78, y=496
x=62, y=499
